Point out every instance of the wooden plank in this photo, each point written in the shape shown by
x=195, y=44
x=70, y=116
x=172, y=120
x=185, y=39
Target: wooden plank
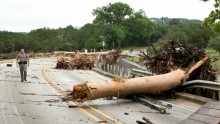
x=209, y=112
x=212, y=105
x=189, y=121
x=204, y=118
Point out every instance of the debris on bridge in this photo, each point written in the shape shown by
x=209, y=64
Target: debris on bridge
x=78, y=61
x=174, y=55
x=174, y=63
x=146, y=121
x=124, y=87
x=84, y=60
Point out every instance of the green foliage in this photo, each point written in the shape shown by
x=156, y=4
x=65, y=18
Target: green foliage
x=214, y=43
x=213, y=19
x=215, y=54
x=91, y=44
x=176, y=33
x=114, y=13
x=139, y=29
x=123, y=26
x=114, y=35
x=165, y=21
x=174, y=22
x=191, y=33
x=7, y=41
x=85, y=33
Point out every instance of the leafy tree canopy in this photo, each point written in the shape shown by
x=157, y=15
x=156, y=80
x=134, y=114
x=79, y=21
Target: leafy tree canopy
x=213, y=20
x=114, y=13
x=214, y=43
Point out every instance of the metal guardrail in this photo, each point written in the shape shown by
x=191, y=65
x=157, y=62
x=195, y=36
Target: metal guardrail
x=154, y=104
x=201, y=82
x=140, y=73
x=209, y=89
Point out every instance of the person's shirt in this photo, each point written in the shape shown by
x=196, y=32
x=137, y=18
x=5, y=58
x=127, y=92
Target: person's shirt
x=22, y=57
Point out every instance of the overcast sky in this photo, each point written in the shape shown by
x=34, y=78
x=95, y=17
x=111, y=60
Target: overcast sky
x=25, y=15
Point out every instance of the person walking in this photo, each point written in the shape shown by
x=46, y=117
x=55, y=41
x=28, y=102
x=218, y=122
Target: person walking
x=22, y=60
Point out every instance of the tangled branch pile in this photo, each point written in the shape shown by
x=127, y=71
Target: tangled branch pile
x=174, y=56
x=86, y=60
x=110, y=57
x=77, y=61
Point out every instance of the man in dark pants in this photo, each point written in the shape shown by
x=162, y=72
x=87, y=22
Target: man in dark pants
x=23, y=63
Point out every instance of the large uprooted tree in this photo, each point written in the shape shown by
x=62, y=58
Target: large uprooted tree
x=174, y=63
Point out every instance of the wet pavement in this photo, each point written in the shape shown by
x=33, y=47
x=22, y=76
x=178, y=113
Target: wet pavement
x=36, y=101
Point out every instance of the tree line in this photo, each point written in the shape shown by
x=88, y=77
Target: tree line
x=115, y=25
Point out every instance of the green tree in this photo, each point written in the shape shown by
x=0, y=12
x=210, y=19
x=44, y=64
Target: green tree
x=123, y=25
x=214, y=43
x=213, y=19
x=158, y=33
x=68, y=38
x=176, y=33
x=84, y=34
x=113, y=17
x=191, y=33
x=198, y=35
x=114, y=36
x=91, y=44
x=174, y=22
x=139, y=29
x=8, y=41
x=114, y=13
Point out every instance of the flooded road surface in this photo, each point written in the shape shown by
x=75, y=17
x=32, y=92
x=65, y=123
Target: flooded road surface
x=39, y=99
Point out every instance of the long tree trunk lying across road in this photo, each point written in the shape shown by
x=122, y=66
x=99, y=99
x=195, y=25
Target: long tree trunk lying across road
x=141, y=85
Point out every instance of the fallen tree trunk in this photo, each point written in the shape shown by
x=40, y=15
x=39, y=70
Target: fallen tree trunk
x=141, y=85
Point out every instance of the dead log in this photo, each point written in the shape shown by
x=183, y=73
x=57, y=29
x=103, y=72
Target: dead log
x=141, y=85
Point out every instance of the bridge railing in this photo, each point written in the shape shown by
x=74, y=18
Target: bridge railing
x=124, y=70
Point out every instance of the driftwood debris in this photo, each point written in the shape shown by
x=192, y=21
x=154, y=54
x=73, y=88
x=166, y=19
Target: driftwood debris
x=78, y=61
x=147, y=121
x=174, y=55
x=176, y=65
x=85, y=60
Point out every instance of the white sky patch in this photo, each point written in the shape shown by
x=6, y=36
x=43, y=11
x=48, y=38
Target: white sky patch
x=26, y=15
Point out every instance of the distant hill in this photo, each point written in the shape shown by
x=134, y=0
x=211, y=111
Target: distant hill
x=165, y=21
